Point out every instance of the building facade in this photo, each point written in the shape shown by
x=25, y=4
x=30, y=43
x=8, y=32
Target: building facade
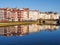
x=24, y=14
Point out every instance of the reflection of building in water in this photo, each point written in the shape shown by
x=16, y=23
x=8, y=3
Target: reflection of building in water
x=48, y=27
x=33, y=28
x=25, y=29
x=1, y=30
x=14, y=30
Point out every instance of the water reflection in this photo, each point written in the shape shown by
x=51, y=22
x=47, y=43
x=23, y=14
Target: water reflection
x=25, y=29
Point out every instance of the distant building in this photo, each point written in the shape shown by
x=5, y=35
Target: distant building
x=48, y=15
x=33, y=15
x=24, y=14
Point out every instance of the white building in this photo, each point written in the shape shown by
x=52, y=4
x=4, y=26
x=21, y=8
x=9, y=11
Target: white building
x=47, y=15
x=54, y=16
x=33, y=15
x=42, y=15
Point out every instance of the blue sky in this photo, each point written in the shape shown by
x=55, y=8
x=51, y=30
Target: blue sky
x=42, y=5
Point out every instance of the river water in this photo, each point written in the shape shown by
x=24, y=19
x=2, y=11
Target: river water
x=30, y=35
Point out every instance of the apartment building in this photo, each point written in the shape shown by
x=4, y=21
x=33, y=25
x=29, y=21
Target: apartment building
x=15, y=14
x=33, y=15
x=48, y=15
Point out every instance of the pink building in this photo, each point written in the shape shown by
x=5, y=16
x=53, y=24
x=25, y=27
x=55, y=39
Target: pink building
x=13, y=14
x=3, y=13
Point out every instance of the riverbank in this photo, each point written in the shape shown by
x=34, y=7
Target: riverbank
x=45, y=22
x=16, y=23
